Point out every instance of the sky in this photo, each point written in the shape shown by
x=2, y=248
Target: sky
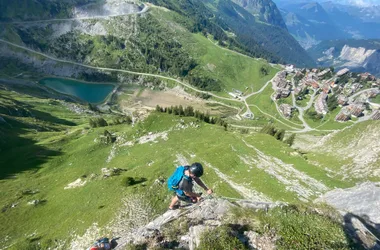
x=361, y=3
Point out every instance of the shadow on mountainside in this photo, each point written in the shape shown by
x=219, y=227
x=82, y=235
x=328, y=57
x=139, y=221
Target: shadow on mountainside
x=17, y=152
x=361, y=232
x=12, y=107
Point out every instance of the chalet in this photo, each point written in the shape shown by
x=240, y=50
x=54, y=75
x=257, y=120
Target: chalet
x=315, y=84
x=326, y=88
x=355, y=87
x=321, y=104
x=298, y=90
x=238, y=92
x=364, y=76
x=323, y=73
x=289, y=68
x=312, y=83
x=233, y=95
x=342, y=100
x=248, y=115
x=286, y=110
x=280, y=81
x=314, y=70
x=283, y=85
x=342, y=72
x=281, y=93
x=343, y=116
x=376, y=115
x=367, y=76
x=356, y=110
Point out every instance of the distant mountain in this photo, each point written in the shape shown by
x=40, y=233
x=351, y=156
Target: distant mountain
x=234, y=26
x=357, y=3
x=313, y=22
x=273, y=38
x=357, y=55
x=310, y=23
x=266, y=10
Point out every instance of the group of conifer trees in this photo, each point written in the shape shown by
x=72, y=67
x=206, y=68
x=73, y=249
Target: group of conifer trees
x=279, y=134
x=190, y=112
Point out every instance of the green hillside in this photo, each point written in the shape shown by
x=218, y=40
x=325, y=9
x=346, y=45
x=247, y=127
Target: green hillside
x=71, y=171
x=249, y=35
x=59, y=147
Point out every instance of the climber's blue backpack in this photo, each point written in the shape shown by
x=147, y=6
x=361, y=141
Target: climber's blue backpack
x=176, y=178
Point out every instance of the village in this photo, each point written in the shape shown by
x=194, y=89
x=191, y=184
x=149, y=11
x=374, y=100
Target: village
x=321, y=91
x=326, y=90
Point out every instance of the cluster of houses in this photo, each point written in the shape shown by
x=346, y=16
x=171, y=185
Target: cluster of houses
x=357, y=106
x=314, y=79
x=281, y=85
x=325, y=82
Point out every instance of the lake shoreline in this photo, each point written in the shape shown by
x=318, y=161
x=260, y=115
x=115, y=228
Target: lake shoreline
x=91, y=92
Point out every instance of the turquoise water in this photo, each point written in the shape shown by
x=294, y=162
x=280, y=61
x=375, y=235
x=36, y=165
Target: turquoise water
x=89, y=92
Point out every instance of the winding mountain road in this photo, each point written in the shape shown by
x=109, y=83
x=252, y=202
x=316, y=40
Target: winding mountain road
x=119, y=70
x=145, y=9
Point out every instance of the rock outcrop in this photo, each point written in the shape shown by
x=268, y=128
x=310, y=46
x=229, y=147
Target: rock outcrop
x=197, y=219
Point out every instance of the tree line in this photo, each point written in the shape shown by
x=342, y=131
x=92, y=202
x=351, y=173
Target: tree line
x=98, y=122
x=190, y=112
x=279, y=134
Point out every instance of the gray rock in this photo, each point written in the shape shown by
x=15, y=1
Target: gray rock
x=362, y=200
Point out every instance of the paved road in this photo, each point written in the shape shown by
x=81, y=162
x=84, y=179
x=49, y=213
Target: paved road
x=145, y=9
x=120, y=70
x=351, y=98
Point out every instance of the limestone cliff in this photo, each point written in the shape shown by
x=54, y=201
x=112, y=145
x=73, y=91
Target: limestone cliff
x=266, y=10
x=359, y=55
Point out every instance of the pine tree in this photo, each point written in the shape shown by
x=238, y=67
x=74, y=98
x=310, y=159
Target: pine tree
x=175, y=110
x=290, y=139
x=158, y=108
x=181, y=111
x=280, y=134
x=207, y=118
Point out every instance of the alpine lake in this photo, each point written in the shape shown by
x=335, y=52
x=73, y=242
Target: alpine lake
x=88, y=92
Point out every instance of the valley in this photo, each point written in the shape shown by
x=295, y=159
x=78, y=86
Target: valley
x=99, y=106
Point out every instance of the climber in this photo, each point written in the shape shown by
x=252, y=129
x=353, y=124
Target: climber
x=181, y=182
x=104, y=244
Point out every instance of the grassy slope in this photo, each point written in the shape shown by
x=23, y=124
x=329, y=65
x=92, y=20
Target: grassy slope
x=77, y=154
x=343, y=141
x=376, y=100
x=233, y=70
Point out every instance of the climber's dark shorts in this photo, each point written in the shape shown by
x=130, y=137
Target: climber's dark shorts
x=182, y=197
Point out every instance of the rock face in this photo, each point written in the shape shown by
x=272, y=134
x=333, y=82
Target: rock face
x=265, y=9
x=360, y=209
x=362, y=200
x=355, y=55
x=197, y=219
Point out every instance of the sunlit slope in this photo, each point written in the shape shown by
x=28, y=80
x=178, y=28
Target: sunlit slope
x=58, y=148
